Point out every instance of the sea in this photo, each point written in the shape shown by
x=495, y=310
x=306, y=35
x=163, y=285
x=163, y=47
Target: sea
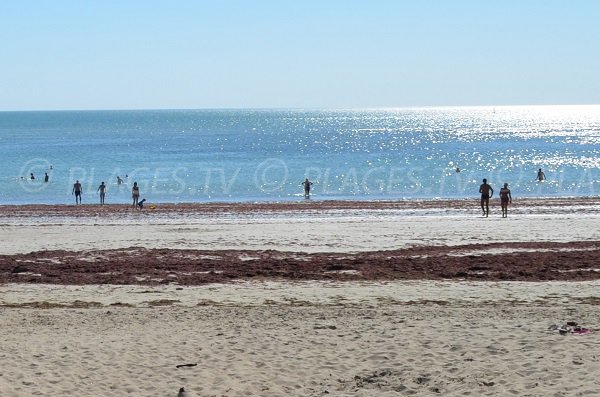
x=264, y=155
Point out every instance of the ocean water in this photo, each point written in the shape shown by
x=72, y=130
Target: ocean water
x=264, y=155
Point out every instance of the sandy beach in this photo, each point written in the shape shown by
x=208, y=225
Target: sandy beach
x=300, y=299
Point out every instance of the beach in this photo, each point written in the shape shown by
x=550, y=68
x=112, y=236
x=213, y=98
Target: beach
x=308, y=298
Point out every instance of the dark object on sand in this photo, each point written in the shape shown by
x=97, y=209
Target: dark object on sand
x=186, y=365
x=19, y=269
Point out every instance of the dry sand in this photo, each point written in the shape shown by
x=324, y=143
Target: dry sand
x=386, y=336
x=300, y=339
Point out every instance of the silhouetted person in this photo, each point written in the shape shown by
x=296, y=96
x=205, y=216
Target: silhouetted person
x=135, y=193
x=46, y=177
x=77, y=191
x=102, y=190
x=486, y=193
x=307, y=184
x=540, y=175
x=31, y=176
x=505, y=198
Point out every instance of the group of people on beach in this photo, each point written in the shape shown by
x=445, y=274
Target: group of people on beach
x=135, y=194
x=505, y=196
x=486, y=194
x=485, y=190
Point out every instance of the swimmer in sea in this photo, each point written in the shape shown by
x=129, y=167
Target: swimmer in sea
x=307, y=184
x=540, y=175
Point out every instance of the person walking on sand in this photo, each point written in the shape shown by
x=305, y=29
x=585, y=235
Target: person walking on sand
x=307, y=184
x=505, y=198
x=540, y=175
x=77, y=191
x=102, y=190
x=486, y=193
x=135, y=193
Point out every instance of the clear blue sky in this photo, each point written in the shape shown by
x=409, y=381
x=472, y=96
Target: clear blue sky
x=126, y=54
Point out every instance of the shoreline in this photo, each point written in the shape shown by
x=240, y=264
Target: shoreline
x=311, y=204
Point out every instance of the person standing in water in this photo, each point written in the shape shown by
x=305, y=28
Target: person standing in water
x=540, y=175
x=46, y=177
x=135, y=193
x=102, y=190
x=505, y=198
x=307, y=184
x=77, y=191
x=486, y=193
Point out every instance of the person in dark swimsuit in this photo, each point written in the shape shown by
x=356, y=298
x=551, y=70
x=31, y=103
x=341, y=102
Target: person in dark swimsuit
x=540, y=175
x=486, y=193
x=505, y=198
x=102, y=190
x=307, y=184
x=77, y=191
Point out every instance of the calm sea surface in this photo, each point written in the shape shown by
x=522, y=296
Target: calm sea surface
x=264, y=155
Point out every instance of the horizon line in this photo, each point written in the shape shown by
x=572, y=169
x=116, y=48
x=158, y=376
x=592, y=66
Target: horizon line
x=295, y=108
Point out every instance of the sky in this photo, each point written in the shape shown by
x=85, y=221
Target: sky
x=130, y=54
